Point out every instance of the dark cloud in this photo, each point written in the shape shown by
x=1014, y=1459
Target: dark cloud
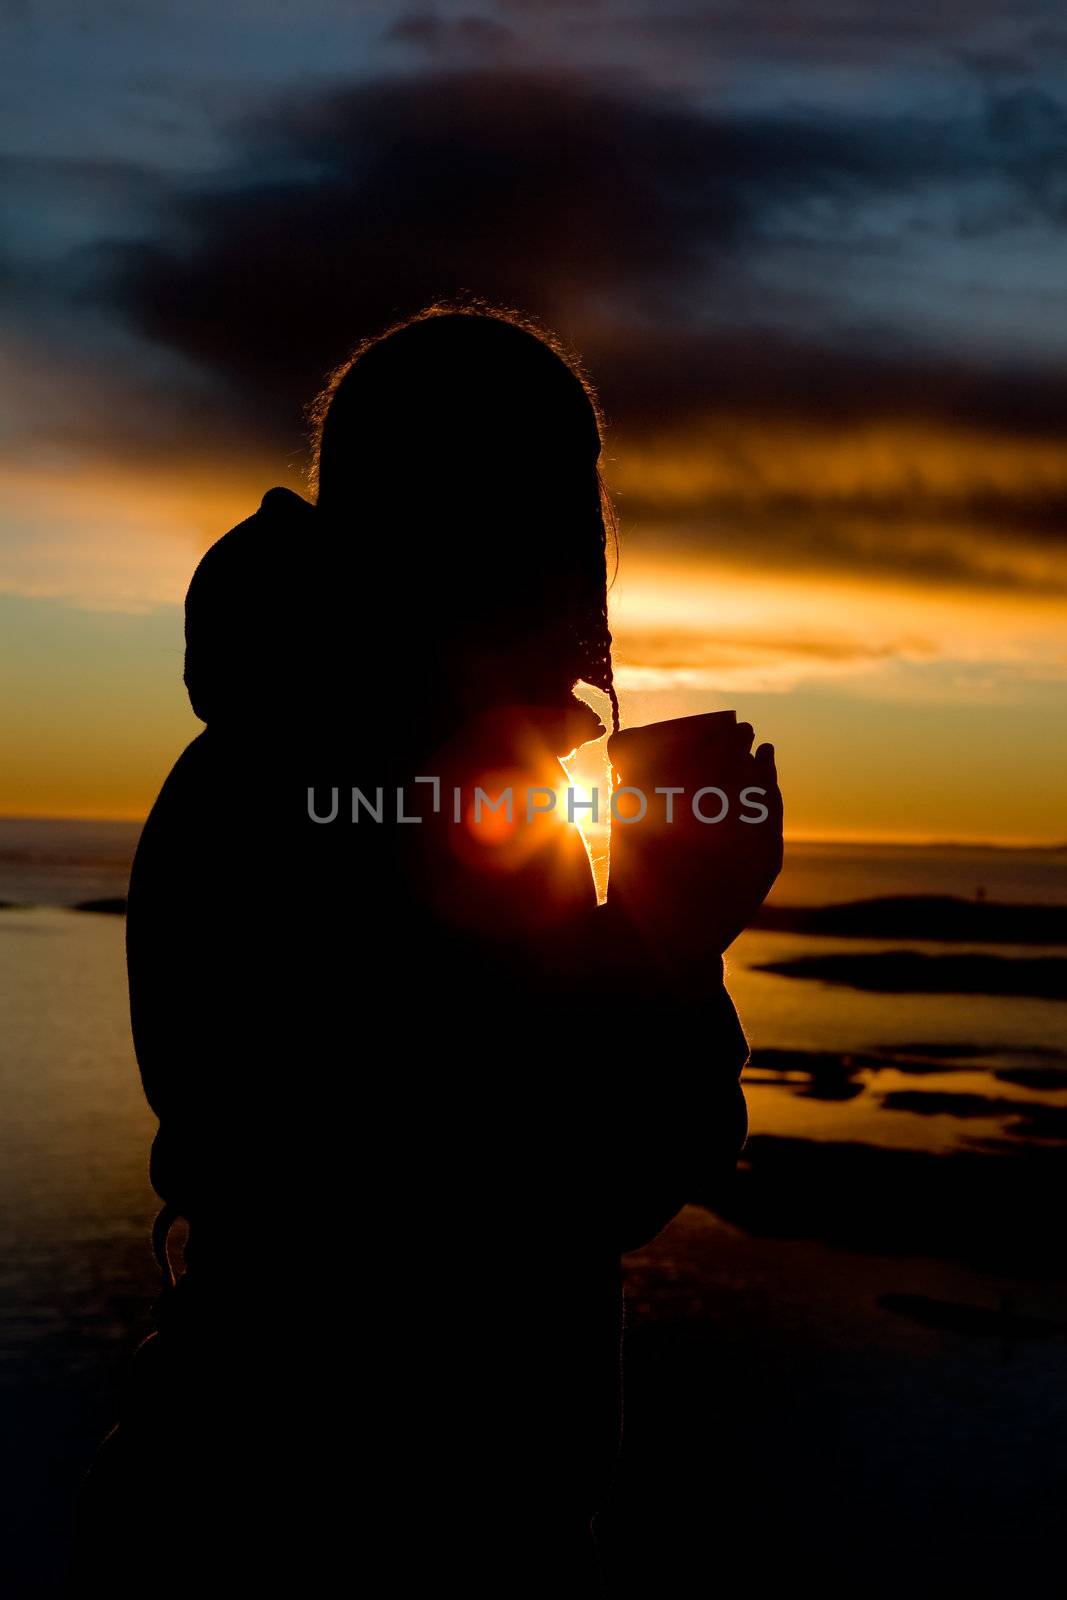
x=665, y=376
x=832, y=31
x=427, y=30
x=631, y=223
x=345, y=211
x=641, y=227
x=951, y=543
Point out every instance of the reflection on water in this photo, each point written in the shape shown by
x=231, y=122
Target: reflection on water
x=76, y=1274
x=75, y=1131
x=787, y=1013
x=969, y=1036
x=783, y=1104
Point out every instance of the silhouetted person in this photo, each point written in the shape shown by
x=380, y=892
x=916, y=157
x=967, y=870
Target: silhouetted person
x=416, y=1090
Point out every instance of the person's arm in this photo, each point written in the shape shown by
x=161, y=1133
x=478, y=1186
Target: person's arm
x=677, y=1120
x=677, y=1054
x=197, y=972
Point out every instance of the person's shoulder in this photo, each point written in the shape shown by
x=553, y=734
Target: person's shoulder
x=188, y=776
x=169, y=813
x=205, y=796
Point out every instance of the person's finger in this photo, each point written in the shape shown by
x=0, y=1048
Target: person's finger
x=745, y=735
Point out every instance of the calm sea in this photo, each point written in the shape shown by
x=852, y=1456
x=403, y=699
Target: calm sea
x=75, y=1204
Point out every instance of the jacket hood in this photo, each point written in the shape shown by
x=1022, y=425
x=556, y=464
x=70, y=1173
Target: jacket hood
x=269, y=637
x=243, y=609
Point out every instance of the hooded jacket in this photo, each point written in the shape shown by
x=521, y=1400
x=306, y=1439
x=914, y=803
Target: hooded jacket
x=410, y=1127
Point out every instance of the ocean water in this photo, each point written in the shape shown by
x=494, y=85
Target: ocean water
x=48, y=862
x=62, y=986
x=76, y=1273
x=75, y=1131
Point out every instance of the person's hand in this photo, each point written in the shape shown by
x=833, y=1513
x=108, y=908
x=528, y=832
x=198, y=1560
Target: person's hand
x=691, y=873
x=751, y=850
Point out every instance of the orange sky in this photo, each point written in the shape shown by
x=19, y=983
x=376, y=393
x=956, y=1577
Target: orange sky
x=818, y=273
x=900, y=708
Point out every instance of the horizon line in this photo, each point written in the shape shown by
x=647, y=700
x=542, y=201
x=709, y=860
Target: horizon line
x=801, y=837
